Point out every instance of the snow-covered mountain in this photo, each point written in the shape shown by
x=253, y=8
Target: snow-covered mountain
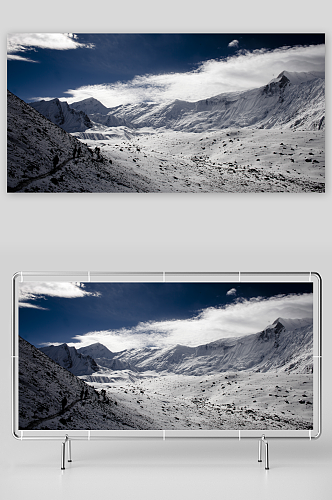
x=48, y=392
x=212, y=145
x=58, y=112
x=69, y=358
x=98, y=113
x=96, y=350
x=286, y=346
x=292, y=100
x=299, y=77
x=42, y=157
x=50, y=397
x=90, y=106
x=104, y=357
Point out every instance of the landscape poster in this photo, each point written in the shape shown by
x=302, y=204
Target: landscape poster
x=184, y=113
x=165, y=356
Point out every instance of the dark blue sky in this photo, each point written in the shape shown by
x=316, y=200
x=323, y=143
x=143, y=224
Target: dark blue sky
x=111, y=306
x=116, y=58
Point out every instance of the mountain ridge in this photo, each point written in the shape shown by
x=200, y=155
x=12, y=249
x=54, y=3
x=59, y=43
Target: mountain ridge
x=293, y=100
x=60, y=113
x=277, y=347
x=71, y=359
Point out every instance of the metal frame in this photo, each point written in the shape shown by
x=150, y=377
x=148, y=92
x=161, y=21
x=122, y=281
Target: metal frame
x=67, y=442
x=171, y=277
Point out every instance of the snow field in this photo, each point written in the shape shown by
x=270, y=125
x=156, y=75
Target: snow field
x=241, y=160
x=230, y=401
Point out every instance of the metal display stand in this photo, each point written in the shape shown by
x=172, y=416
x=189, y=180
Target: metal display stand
x=170, y=277
x=67, y=443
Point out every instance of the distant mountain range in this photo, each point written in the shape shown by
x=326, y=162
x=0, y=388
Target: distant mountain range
x=292, y=100
x=286, y=346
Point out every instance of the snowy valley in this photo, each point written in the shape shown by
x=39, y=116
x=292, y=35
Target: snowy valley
x=258, y=381
x=268, y=139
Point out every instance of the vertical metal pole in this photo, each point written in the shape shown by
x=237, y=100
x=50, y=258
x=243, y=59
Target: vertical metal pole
x=266, y=455
x=266, y=452
x=266, y=444
x=69, y=451
x=260, y=450
x=63, y=455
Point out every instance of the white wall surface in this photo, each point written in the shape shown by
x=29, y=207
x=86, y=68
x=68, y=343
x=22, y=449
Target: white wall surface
x=165, y=232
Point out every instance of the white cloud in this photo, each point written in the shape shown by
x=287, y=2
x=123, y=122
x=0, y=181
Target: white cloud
x=32, y=290
x=15, y=57
x=47, y=344
x=32, y=306
x=21, y=42
x=242, y=71
x=233, y=43
x=232, y=291
x=242, y=318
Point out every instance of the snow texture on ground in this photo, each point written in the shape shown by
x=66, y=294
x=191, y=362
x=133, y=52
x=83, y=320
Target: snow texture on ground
x=227, y=401
x=51, y=397
x=231, y=160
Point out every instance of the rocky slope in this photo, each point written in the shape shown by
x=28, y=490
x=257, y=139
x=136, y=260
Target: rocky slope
x=50, y=397
x=42, y=157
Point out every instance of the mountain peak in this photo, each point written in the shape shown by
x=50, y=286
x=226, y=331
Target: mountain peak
x=296, y=78
x=292, y=323
x=61, y=114
x=96, y=350
x=90, y=105
x=278, y=320
x=69, y=358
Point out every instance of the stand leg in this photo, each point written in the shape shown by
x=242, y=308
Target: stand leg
x=63, y=452
x=263, y=440
x=63, y=455
x=69, y=451
x=260, y=450
x=267, y=466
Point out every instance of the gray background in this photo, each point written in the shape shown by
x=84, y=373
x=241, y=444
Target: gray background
x=165, y=232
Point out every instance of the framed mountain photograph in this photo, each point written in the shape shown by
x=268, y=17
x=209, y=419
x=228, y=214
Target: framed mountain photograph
x=166, y=113
x=186, y=354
